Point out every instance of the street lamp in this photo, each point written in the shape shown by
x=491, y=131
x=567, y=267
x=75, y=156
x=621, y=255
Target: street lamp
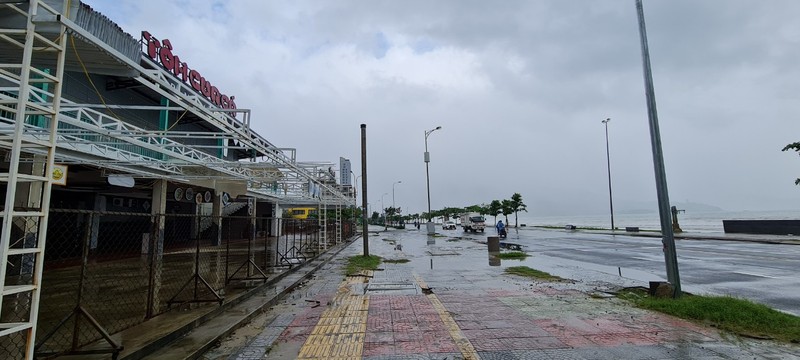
x=393, y=184
x=429, y=225
x=355, y=182
x=608, y=163
x=383, y=210
x=668, y=238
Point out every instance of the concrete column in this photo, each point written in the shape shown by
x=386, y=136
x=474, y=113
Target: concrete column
x=156, y=248
x=100, y=206
x=277, y=214
x=216, y=212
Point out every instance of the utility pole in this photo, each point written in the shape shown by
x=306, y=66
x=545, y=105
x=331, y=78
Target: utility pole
x=668, y=238
x=429, y=225
x=608, y=163
x=364, y=231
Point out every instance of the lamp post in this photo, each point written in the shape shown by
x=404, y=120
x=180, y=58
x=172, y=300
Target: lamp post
x=393, y=184
x=429, y=225
x=668, y=238
x=383, y=210
x=608, y=164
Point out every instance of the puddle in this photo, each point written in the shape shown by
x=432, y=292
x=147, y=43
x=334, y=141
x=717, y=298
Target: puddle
x=391, y=288
x=577, y=269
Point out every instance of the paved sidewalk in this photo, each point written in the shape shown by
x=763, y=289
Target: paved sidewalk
x=452, y=300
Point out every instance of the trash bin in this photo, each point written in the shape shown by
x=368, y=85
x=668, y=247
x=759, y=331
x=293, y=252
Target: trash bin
x=494, y=243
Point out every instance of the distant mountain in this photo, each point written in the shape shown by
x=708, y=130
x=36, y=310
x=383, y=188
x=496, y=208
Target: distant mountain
x=569, y=206
x=697, y=207
x=652, y=207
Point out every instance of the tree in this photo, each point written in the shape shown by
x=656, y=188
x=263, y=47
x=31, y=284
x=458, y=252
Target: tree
x=436, y=213
x=389, y=216
x=495, y=208
x=517, y=205
x=451, y=212
x=796, y=147
x=506, y=208
x=474, y=208
x=484, y=209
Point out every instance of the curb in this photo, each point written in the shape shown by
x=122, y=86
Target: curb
x=684, y=236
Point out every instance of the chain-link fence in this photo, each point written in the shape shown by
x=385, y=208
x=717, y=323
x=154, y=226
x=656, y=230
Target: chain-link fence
x=105, y=272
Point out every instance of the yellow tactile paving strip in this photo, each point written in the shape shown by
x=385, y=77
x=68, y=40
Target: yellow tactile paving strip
x=463, y=344
x=340, y=331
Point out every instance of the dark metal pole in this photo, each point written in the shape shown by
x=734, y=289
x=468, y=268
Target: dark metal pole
x=427, y=175
x=364, y=231
x=668, y=240
x=429, y=225
x=608, y=163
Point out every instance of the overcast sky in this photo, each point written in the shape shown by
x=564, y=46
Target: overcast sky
x=519, y=88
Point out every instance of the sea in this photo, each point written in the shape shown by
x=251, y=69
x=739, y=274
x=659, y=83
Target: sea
x=701, y=222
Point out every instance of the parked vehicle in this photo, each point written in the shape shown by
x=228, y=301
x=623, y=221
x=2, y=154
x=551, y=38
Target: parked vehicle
x=449, y=225
x=473, y=222
x=301, y=213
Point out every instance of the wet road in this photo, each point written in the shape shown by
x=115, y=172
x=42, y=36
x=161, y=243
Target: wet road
x=472, y=310
x=764, y=273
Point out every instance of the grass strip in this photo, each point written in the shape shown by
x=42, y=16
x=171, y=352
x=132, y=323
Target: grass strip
x=513, y=255
x=738, y=316
x=531, y=273
x=396, y=261
x=360, y=262
x=562, y=227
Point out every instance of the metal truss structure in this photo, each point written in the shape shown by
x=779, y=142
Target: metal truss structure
x=39, y=128
x=93, y=137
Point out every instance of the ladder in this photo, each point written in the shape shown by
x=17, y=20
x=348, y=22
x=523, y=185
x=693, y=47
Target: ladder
x=28, y=124
x=322, y=243
x=338, y=223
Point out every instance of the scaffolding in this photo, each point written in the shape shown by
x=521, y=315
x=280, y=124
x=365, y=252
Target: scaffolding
x=31, y=173
x=43, y=134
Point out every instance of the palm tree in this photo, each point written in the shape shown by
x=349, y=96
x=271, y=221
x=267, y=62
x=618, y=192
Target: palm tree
x=506, y=208
x=474, y=208
x=495, y=208
x=453, y=212
x=517, y=205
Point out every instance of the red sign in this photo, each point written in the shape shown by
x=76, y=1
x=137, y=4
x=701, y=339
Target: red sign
x=161, y=51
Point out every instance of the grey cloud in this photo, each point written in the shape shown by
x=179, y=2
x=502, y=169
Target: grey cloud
x=725, y=74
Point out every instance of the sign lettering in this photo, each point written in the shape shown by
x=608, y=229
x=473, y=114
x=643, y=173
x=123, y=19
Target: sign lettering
x=161, y=52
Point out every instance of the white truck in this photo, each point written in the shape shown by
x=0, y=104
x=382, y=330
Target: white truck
x=473, y=222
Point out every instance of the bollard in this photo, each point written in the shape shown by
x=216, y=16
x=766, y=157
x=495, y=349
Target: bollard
x=494, y=259
x=494, y=243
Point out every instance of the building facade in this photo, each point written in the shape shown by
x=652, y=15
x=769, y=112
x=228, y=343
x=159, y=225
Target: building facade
x=129, y=179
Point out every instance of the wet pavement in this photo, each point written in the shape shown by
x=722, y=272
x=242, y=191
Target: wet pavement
x=452, y=300
x=758, y=270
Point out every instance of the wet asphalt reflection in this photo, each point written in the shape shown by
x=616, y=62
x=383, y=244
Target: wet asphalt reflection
x=764, y=273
